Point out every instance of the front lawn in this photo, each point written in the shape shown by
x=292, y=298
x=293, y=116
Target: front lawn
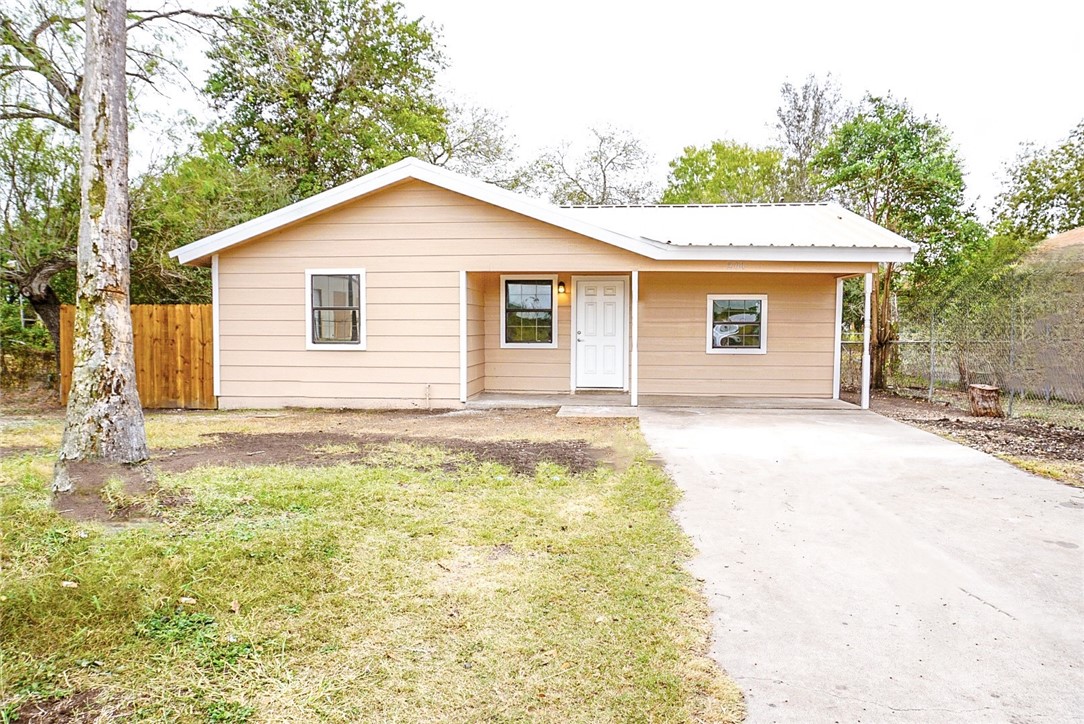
x=406, y=568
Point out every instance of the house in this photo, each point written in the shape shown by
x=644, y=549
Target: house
x=417, y=286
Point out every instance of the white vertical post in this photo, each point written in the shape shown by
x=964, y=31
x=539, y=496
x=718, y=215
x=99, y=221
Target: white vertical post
x=463, y=336
x=838, y=338
x=634, y=363
x=216, y=333
x=865, y=341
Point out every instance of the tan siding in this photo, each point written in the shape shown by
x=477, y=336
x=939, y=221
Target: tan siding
x=535, y=370
x=800, y=333
x=476, y=335
x=412, y=338
x=414, y=239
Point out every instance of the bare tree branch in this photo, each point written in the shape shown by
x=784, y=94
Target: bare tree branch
x=170, y=15
x=25, y=114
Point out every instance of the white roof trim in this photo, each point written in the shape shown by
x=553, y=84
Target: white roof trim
x=412, y=168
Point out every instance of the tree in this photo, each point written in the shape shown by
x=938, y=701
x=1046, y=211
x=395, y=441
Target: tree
x=41, y=56
x=726, y=172
x=1044, y=191
x=104, y=418
x=475, y=143
x=899, y=170
x=187, y=197
x=806, y=118
x=41, y=81
x=611, y=168
x=324, y=91
x=39, y=196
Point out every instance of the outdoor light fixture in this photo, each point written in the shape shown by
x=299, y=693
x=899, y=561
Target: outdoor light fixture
x=560, y=287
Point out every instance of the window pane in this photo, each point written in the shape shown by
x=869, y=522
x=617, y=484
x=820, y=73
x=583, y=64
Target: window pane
x=736, y=310
x=528, y=312
x=335, y=325
x=335, y=290
x=528, y=327
x=736, y=323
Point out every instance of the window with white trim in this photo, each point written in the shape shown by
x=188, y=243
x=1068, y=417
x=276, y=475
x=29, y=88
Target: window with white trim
x=335, y=308
x=737, y=323
x=529, y=311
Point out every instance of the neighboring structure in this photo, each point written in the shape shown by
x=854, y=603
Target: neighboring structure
x=416, y=286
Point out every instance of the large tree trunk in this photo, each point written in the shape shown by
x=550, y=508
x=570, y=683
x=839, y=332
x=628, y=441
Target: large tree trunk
x=104, y=420
x=47, y=307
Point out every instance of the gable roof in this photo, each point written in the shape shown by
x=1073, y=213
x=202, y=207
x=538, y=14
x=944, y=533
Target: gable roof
x=749, y=232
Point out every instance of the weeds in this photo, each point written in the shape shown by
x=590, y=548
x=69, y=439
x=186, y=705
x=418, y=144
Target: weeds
x=420, y=586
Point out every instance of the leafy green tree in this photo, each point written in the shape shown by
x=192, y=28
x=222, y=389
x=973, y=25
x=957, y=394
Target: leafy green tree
x=899, y=170
x=39, y=213
x=726, y=172
x=612, y=167
x=190, y=196
x=42, y=57
x=324, y=91
x=1044, y=192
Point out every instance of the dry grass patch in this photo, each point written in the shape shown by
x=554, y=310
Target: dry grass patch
x=1066, y=472
x=418, y=585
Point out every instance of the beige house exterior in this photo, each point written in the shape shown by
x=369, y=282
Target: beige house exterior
x=418, y=287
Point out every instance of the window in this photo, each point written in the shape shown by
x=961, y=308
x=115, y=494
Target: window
x=737, y=323
x=335, y=306
x=529, y=311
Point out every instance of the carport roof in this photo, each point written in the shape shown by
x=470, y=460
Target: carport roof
x=823, y=225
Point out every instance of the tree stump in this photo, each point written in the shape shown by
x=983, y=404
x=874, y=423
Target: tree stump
x=985, y=400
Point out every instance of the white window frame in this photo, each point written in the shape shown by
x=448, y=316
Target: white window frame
x=763, y=349
x=340, y=346
x=552, y=278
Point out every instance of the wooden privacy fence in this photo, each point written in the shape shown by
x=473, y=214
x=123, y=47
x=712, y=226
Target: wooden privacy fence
x=174, y=354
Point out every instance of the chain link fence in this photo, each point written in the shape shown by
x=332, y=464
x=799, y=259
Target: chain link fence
x=1049, y=371
x=1018, y=327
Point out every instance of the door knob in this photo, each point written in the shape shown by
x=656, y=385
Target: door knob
x=579, y=336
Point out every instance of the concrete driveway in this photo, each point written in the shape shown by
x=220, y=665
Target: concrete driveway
x=861, y=570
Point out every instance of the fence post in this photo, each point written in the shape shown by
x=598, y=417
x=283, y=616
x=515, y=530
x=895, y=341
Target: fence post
x=1012, y=350
x=933, y=357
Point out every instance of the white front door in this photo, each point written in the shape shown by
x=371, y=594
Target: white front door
x=600, y=333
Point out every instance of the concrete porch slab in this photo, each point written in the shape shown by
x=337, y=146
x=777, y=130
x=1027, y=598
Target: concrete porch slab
x=745, y=403
x=497, y=400
x=622, y=401
x=597, y=411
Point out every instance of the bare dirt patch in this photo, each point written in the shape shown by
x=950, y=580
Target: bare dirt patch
x=1038, y=444
x=78, y=708
x=119, y=493
x=106, y=492
x=318, y=448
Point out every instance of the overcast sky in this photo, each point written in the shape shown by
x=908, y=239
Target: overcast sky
x=681, y=72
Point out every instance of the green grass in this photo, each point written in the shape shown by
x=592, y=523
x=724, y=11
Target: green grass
x=406, y=589
x=1066, y=472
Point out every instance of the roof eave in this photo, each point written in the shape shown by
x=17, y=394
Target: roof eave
x=198, y=253
x=407, y=169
